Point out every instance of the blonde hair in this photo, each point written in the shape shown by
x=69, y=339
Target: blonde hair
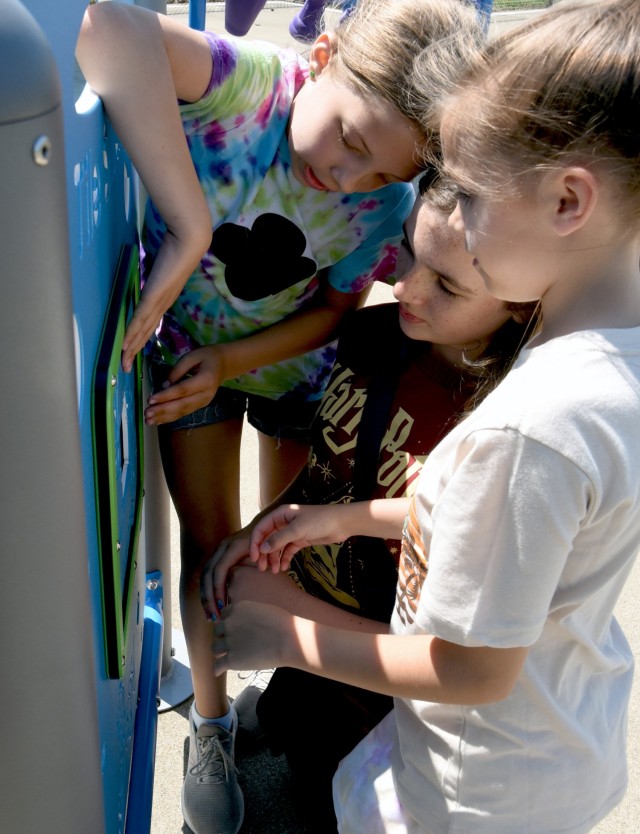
x=406, y=52
x=562, y=89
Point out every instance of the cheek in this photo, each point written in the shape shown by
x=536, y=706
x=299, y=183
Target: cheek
x=486, y=322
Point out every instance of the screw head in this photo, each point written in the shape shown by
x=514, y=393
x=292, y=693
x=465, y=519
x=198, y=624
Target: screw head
x=42, y=150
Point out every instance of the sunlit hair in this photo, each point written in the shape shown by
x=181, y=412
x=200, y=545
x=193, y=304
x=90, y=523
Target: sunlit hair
x=406, y=52
x=564, y=88
x=484, y=372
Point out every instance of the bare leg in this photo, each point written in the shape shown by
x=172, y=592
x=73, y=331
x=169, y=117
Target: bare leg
x=202, y=471
x=280, y=462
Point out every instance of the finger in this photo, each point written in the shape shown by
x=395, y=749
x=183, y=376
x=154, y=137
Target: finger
x=218, y=575
x=175, y=391
x=286, y=559
x=207, y=596
x=274, y=561
x=137, y=334
x=168, y=412
x=220, y=666
x=187, y=364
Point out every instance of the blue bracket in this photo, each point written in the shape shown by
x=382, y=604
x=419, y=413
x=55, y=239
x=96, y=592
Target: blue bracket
x=146, y=723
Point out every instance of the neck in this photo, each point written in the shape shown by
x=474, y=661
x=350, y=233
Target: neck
x=603, y=292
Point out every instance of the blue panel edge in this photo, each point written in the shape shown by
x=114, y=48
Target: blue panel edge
x=146, y=722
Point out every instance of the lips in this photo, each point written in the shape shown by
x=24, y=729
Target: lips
x=408, y=317
x=312, y=181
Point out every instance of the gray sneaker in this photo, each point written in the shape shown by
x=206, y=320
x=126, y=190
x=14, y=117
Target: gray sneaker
x=245, y=704
x=212, y=801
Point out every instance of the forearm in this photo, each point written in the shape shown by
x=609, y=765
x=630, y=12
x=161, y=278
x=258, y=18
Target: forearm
x=303, y=331
x=382, y=518
x=417, y=667
x=123, y=54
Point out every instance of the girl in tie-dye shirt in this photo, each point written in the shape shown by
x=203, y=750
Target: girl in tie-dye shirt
x=278, y=190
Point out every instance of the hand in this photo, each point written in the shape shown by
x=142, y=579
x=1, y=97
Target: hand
x=155, y=300
x=176, y=259
x=278, y=536
x=191, y=384
x=251, y=635
x=213, y=581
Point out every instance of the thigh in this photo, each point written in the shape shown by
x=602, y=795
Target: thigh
x=202, y=470
x=280, y=461
x=283, y=435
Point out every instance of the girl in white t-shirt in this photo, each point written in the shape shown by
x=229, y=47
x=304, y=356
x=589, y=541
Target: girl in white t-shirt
x=510, y=673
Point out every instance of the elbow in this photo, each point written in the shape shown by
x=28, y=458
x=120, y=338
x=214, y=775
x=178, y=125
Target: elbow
x=102, y=25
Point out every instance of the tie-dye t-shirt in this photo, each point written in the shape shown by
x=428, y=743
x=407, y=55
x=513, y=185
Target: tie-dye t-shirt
x=274, y=240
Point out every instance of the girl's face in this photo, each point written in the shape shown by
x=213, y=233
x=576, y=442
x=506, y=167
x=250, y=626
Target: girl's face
x=509, y=238
x=507, y=242
x=442, y=297
x=342, y=142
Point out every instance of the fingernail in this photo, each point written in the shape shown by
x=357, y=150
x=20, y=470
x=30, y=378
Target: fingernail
x=220, y=605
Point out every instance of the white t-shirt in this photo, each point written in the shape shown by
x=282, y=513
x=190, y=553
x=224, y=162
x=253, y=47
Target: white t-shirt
x=528, y=515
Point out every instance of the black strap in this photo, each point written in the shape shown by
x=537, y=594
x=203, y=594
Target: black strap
x=380, y=393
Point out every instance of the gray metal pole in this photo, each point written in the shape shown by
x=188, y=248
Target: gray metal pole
x=50, y=750
x=175, y=685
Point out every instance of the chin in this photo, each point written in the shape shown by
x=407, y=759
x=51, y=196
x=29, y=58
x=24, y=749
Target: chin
x=414, y=331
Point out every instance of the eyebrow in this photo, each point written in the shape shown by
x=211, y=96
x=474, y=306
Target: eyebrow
x=442, y=275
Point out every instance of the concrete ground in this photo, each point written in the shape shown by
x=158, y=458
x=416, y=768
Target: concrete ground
x=265, y=779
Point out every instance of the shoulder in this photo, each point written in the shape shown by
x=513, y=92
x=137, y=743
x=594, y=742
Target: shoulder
x=233, y=55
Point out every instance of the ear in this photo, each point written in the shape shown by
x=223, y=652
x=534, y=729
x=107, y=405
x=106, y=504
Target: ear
x=321, y=52
x=575, y=196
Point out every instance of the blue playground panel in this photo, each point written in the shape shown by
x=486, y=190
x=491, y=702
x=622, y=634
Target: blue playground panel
x=79, y=691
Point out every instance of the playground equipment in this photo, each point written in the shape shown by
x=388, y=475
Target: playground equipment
x=81, y=611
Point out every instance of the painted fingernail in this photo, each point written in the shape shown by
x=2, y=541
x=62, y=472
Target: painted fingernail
x=220, y=605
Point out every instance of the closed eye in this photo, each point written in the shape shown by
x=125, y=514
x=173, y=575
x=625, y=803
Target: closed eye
x=445, y=289
x=344, y=141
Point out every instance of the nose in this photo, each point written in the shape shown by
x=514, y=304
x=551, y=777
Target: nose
x=352, y=176
x=409, y=288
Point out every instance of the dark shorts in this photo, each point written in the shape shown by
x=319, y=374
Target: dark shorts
x=288, y=418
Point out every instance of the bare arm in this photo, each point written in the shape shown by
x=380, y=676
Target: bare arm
x=209, y=366
x=253, y=636
x=278, y=536
x=140, y=63
x=275, y=535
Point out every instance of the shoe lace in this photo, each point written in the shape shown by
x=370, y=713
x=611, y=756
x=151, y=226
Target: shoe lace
x=260, y=678
x=213, y=759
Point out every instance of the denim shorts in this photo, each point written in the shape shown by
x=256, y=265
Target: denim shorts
x=288, y=418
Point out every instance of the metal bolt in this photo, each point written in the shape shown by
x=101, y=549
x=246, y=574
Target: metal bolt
x=118, y=546
x=42, y=150
x=152, y=584
x=113, y=381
